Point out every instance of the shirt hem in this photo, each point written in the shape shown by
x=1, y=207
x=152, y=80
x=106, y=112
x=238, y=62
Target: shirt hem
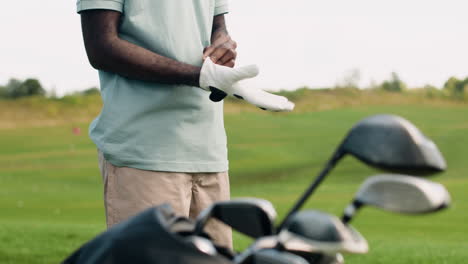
x=99, y=4
x=169, y=166
x=221, y=9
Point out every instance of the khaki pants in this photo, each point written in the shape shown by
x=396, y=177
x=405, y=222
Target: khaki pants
x=128, y=191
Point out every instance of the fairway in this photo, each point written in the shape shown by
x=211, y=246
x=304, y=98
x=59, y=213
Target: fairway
x=51, y=190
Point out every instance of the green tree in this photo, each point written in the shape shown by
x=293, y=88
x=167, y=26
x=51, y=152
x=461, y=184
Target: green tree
x=91, y=91
x=12, y=85
x=29, y=87
x=395, y=84
x=455, y=87
x=3, y=92
x=464, y=88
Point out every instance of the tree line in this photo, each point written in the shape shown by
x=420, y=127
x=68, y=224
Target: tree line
x=16, y=88
x=453, y=87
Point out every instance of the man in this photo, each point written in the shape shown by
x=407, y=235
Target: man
x=160, y=137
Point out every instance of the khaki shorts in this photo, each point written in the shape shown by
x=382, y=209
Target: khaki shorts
x=128, y=191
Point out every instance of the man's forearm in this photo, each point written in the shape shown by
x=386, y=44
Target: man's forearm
x=135, y=62
x=222, y=49
x=219, y=27
x=107, y=52
x=219, y=30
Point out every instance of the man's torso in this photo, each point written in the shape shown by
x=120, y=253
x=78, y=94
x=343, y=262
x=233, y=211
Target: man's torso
x=155, y=126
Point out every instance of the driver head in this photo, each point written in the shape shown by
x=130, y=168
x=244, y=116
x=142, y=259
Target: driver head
x=394, y=144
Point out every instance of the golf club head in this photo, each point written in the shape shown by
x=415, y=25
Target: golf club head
x=394, y=144
x=315, y=231
x=332, y=259
x=273, y=256
x=202, y=244
x=320, y=258
x=250, y=216
x=400, y=194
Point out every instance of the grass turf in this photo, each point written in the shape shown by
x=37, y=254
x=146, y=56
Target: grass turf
x=51, y=200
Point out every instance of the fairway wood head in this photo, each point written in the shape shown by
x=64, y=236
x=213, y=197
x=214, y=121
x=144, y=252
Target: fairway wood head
x=392, y=143
x=314, y=231
x=251, y=216
x=202, y=244
x=273, y=256
x=400, y=194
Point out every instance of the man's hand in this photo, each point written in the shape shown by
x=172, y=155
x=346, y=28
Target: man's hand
x=222, y=50
x=217, y=77
x=223, y=81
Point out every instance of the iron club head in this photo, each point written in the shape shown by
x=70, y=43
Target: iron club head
x=251, y=216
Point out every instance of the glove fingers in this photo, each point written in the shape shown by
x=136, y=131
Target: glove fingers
x=245, y=72
x=268, y=101
x=276, y=107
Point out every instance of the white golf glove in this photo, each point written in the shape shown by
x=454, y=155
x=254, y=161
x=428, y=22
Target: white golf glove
x=223, y=81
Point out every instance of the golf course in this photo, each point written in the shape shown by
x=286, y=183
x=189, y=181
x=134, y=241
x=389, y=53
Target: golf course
x=51, y=188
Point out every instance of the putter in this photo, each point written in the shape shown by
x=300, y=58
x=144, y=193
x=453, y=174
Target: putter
x=399, y=194
x=386, y=142
x=318, y=232
x=250, y=216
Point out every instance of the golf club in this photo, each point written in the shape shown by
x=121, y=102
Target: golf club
x=250, y=216
x=272, y=242
x=202, y=244
x=273, y=256
x=320, y=258
x=318, y=232
x=400, y=194
x=317, y=237
x=386, y=142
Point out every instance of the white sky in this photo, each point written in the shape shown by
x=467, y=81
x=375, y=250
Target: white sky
x=295, y=42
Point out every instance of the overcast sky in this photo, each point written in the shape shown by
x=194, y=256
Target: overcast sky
x=295, y=42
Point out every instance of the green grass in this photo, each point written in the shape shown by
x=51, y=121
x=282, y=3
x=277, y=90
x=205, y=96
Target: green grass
x=51, y=200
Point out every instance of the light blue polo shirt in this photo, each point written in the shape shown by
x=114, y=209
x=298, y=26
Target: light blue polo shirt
x=154, y=126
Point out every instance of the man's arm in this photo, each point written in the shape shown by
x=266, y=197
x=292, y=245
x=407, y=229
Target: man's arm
x=222, y=50
x=107, y=52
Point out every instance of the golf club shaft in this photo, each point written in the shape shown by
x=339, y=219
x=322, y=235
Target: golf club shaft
x=329, y=166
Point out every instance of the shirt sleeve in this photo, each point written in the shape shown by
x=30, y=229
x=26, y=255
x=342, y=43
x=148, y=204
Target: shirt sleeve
x=116, y=5
x=221, y=7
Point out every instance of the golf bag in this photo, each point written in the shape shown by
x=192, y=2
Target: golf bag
x=144, y=239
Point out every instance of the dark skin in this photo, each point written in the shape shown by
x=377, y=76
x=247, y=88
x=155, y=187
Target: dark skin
x=223, y=49
x=108, y=52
